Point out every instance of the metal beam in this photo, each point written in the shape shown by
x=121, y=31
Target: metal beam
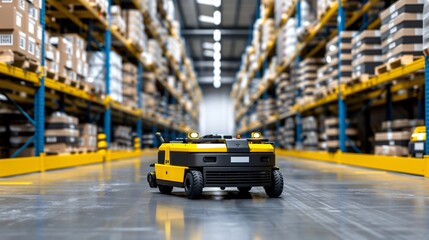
x=225, y=64
x=226, y=33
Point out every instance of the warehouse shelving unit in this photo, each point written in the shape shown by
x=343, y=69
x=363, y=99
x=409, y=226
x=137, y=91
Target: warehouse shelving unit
x=99, y=32
x=363, y=94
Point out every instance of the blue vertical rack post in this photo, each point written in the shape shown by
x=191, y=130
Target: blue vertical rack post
x=107, y=48
x=139, y=124
x=341, y=104
x=427, y=104
x=39, y=103
x=298, y=122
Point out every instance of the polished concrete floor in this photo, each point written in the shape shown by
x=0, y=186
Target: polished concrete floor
x=320, y=201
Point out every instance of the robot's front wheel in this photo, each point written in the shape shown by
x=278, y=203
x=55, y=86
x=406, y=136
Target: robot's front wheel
x=165, y=189
x=194, y=184
x=276, y=188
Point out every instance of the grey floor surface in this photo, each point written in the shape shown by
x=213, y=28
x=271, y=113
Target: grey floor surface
x=113, y=201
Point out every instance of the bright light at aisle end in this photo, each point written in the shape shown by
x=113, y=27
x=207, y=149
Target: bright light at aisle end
x=217, y=84
x=217, y=35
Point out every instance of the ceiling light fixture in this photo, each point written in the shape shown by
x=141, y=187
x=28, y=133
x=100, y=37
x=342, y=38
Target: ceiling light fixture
x=217, y=35
x=216, y=19
x=215, y=3
x=208, y=53
x=208, y=45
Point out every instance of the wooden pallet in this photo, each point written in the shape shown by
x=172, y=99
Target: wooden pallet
x=51, y=74
x=19, y=60
x=399, y=62
x=134, y=44
x=359, y=79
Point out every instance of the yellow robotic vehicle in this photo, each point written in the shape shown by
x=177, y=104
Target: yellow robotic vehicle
x=417, y=142
x=220, y=161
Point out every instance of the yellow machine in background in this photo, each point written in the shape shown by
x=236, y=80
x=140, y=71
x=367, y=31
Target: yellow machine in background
x=417, y=142
x=221, y=161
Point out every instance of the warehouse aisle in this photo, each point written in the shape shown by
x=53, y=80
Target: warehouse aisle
x=320, y=201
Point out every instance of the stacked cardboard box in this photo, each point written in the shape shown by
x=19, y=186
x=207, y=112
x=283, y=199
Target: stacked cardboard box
x=280, y=8
x=285, y=92
x=289, y=133
x=270, y=135
x=122, y=138
x=265, y=108
x=96, y=74
x=401, y=30
x=310, y=135
x=308, y=16
x=52, y=58
x=4, y=141
x=366, y=53
x=19, y=133
x=323, y=6
x=394, y=138
x=100, y=5
x=307, y=75
x=73, y=67
x=135, y=30
x=332, y=135
x=61, y=134
x=268, y=33
x=118, y=21
x=88, y=137
x=129, y=85
x=21, y=34
x=426, y=28
x=286, y=41
x=332, y=50
x=147, y=140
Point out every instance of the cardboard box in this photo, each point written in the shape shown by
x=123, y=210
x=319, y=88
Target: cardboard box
x=391, y=150
x=13, y=29
x=399, y=7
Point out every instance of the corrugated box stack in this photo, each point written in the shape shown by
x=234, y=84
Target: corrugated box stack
x=308, y=17
x=88, y=137
x=149, y=96
x=147, y=140
x=395, y=136
x=21, y=34
x=118, y=22
x=426, y=28
x=135, y=30
x=332, y=135
x=285, y=92
x=310, y=135
x=96, y=74
x=266, y=108
x=129, y=85
x=332, y=60
x=268, y=33
x=289, y=133
x=281, y=7
x=20, y=132
x=401, y=30
x=323, y=6
x=61, y=134
x=122, y=138
x=286, y=41
x=366, y=53
x=307, y=75
x=52, y=59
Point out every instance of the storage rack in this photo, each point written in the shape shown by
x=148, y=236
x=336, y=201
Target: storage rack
x=368, y=92
x=98, y=32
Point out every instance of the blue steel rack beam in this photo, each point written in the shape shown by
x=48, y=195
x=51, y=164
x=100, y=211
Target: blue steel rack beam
x=107, y=48
x=298, y=121
x=39, y=101
x=139, y=127
x=427, y=103
x=341, y=104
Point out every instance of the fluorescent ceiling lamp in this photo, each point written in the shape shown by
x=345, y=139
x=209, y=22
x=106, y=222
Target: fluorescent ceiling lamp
x=217, y=64
x=217, y=35
x=216, y=56
x=217, y=47
x=216, y=78
x=208, y=53
x=217, y=71
x=215, y=3
x=217, y=84
x=216, y=19
x=208, y=45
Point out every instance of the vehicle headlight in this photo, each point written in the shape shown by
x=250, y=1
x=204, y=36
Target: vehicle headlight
x=193, y=135
x=256, y=135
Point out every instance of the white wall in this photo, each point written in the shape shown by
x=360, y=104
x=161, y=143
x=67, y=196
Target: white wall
x=216, y=110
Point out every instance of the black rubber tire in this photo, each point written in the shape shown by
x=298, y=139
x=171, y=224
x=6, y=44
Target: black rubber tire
x=276, y=188
x=165, y=189
x=244, y=189
x=194, y=184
